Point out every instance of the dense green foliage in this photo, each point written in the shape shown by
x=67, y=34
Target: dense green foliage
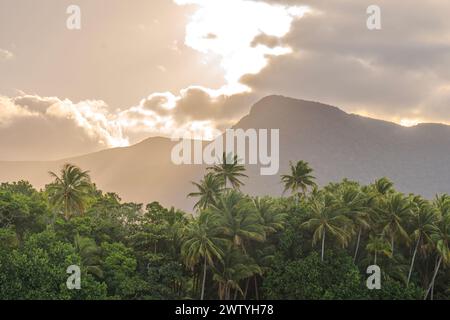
x=316, y=244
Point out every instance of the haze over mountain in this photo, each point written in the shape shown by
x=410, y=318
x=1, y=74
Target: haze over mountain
x=337, y=145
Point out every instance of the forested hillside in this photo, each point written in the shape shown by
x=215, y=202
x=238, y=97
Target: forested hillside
x=309, y=244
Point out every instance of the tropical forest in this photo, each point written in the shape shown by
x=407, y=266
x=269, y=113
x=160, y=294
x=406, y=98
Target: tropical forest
x=310, y=243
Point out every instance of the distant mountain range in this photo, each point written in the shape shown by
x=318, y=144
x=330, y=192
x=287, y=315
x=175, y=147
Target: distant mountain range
x=336, y=144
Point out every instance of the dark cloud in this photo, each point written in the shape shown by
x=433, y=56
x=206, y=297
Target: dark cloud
x=400, y=71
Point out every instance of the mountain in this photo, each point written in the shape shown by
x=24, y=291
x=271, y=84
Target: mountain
x=337, y=145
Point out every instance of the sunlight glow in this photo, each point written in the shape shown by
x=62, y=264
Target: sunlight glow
x=409, y=122
x=227, y=29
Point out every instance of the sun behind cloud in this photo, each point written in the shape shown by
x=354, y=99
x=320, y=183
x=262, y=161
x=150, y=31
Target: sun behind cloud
x=227, y=29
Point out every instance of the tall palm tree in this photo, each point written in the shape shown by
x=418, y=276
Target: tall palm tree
x=424, y=223
x=273, y=218
x=357, y=205
x=202, y=243
x=209, y=190
x=378, y=244
x=384, y=186
x=90, y=255
x=70, y=189
x=230, y=170
x=299, y=179
x=327, y=218
x=237, y=219
x=393, y=214
x=234, y=267
x=441, y=239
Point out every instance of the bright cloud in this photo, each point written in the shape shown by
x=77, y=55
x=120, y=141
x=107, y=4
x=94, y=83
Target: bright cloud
x=228, y=29
x=91, y=116
x=6, y=55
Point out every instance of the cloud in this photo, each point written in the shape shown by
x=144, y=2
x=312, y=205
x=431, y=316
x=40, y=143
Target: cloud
x=38, y=128
x=227, y=29
x=33, y=127
x=401, y=71
x=195, y=110
x=6, y=55
x=323, y=53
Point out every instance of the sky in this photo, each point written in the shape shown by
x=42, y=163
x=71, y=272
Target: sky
x=154, y=68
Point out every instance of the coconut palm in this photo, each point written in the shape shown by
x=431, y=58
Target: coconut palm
x=70, y=189
x=202, y=243
x=90, y=255
x=272, y=217
x=327, y=218
x=441, y=239
x=208, y=191
x=377, y=245
x=357, y=206
x=237, y=219
x=299, y=180
x=424, y=223
x=393, y=213
x=230, y=170
x=234, y=267
x=384, y=186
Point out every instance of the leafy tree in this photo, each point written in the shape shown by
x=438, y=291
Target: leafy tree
x=299, y=179
x=326, y=218
x=90, y=255
x=424, y=222
x=393, y=214
x=377, y=245
x=233, y=267
x=237, y=219
x=441, y=239
x=202, y=243
x=230, y=170
x=272, y=218
x=311, y=279
x=70, y=189
x=209, y=190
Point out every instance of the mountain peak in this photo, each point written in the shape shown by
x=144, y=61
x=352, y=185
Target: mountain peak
x=269, y=103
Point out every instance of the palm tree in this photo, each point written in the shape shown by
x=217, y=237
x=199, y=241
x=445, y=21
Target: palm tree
x=357, y=206
x=90, y=255
x=208, y=190
x=384, y=186
x=272, y=218
x=230, y=171
x=202, y=243
x=234, y=267
x=393, y=214
x=237, y=219
x=327, y=218
x=300, y=178
x=424, y=223
x=378, y=245
x=441, y=239
x=69, y=190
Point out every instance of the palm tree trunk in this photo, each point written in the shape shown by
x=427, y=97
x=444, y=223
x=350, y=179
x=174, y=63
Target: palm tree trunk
x=412, y=261
x=392, y=245
x=246, y=288
x=204, y=280
x=256, y=288
x=357, y=244
x=323, y=243
x=434, y=278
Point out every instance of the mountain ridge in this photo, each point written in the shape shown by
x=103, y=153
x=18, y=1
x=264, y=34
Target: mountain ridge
x=337, y=145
